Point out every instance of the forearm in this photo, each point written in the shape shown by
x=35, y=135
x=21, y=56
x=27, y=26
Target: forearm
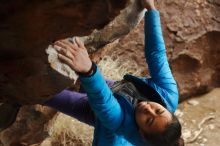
x=155, y=50
x=154, y=41
x=156, y=58
x=102, y=101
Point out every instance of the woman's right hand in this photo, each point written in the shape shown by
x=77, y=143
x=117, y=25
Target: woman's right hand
x=148, y=4
x=74, y=54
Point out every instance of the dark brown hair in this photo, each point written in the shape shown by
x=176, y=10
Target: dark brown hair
x=171, y=136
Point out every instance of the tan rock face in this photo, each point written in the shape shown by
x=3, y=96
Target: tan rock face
x=27, y=28
x=200, y=121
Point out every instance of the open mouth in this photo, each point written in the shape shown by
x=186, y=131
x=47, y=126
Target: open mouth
x=150, y=121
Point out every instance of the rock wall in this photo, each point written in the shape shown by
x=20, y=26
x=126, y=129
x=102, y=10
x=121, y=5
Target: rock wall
x=29, y=27
x=192, y=35
x=192, y=30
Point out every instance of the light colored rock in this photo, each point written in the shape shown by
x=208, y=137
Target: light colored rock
x=211, y=126
x=193, y=102
x=60, y=67
x=205, y=140
x=202, y=120
x=47, y=142
x=186, y=134
x=179, y=113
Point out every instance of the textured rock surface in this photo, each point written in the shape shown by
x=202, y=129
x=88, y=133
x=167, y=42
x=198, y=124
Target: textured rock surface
x=29, y=127
x=27, y=28
x=192, y=30
x=44, y=127
x=192, y=34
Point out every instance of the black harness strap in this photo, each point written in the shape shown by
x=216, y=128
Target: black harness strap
x=137, y=89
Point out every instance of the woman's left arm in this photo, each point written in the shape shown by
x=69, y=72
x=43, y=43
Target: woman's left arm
x=155, y=51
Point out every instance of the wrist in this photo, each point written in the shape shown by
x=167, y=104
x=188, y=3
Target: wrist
x=88, y=68
x=89, y=72
x=151, y=7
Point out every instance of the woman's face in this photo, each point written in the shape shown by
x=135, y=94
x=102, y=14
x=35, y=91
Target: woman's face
x=152, y=117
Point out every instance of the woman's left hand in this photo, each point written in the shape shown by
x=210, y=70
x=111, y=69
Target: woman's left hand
x=74, y=54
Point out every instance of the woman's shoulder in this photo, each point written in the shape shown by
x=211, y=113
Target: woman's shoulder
x=168, y=96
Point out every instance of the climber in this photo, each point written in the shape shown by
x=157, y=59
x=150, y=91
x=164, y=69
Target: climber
x=134, y=111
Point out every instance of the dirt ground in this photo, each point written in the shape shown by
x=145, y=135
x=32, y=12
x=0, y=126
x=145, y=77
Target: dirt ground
x=200, y=117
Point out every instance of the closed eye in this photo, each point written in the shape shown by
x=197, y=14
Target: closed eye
x=159, y=112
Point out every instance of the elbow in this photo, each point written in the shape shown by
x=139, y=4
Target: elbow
x=173, y=101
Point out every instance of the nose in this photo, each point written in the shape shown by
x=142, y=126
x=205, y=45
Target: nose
x=150, y=110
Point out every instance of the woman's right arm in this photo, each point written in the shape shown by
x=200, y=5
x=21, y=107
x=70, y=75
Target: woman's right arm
x=101, y=99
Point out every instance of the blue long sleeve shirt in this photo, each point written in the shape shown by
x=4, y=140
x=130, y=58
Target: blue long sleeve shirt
x=115, y=124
